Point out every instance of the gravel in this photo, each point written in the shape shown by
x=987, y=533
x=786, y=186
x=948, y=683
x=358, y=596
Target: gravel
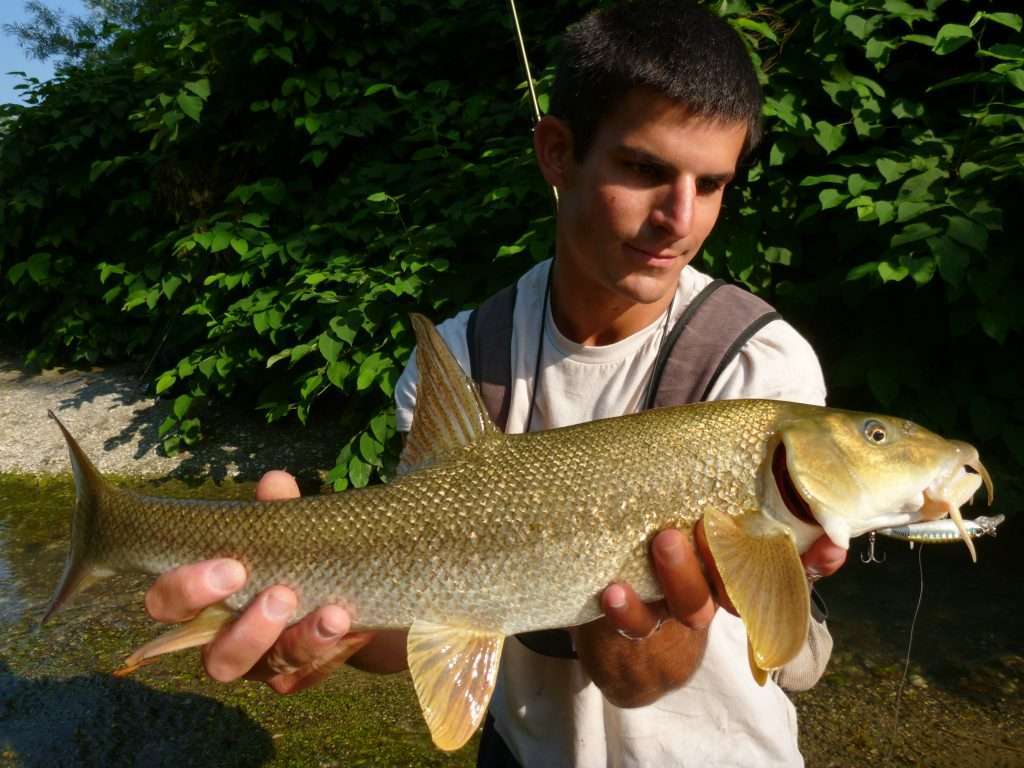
x=117, y=424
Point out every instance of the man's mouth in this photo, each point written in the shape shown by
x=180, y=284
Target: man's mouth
x=660, y=256
x=790, y=496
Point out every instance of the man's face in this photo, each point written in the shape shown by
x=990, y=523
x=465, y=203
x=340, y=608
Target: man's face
x=638, y=207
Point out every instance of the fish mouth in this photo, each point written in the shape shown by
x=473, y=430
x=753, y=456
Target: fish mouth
x=955, y=487
x=795, y=503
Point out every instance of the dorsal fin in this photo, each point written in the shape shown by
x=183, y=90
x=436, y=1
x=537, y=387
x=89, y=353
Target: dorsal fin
x=449, y=413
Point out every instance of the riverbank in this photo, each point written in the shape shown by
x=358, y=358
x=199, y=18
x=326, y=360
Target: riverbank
x=117, y=424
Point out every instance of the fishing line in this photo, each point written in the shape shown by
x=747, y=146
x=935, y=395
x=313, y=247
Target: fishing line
x=906, y=665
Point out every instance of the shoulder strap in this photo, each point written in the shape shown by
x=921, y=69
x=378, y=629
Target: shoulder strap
x=489, y=336
x=706, y=338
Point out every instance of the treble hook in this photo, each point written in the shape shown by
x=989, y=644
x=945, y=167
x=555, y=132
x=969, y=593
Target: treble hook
x=870, y=557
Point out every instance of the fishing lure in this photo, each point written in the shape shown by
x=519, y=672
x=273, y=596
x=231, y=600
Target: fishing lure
x=933, y=532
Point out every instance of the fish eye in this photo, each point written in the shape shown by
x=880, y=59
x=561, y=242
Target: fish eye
x=875, y=432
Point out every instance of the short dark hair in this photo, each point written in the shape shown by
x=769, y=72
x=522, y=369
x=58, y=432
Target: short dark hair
x=675, y=47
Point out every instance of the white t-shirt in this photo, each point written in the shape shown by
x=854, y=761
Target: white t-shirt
x=547, y=710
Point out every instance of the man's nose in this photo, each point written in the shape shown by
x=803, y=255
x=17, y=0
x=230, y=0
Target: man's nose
x=674, y=213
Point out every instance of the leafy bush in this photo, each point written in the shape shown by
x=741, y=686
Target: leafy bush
x=257, y=195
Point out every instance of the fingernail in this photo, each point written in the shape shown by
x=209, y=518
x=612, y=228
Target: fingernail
x=670, y=549
x=616, y=596
x=276, y=606
x=226, y=576
x=330, y=626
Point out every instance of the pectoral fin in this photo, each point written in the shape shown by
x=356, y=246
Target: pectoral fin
x=453, y=670
x=201, y=630
x=761, y=569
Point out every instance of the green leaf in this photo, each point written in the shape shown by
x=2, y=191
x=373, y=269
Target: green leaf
x=39, y=267
x=891, y=170
x=831, y=178
x=310, y=385
x=830, y=198
x=337, y=372
x=240, y=246
x=170, y=285
x=952, y=37
x=890, y=272
x=166, y=426
x=905, y=109
x=968, y=232
x=377, y=88
x=858, y=26
x=200, y=88
x=220, y=241
x=369, y=448
x=922, y=269
x=1011, y=20
x=863, y=270
x=912, y=233
x=181, y=406
x=839, y=10
x=329, y=347
x=379, y=427
x=858, y=184
x=358, y=472
x=1016, y=78
x=830, y=137
x=908, y=210
x=343, y=330
x=756, y=26
x=190, y=105
x=165, y=382
x=369, y=370
x=907, y=12
x=885, y=211
x=951, y=259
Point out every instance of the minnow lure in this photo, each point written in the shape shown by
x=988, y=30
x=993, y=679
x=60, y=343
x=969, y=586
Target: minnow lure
x=934, y=532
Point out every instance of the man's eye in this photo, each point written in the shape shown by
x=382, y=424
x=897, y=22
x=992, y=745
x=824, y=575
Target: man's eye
x=709, y=186
x=646, y=170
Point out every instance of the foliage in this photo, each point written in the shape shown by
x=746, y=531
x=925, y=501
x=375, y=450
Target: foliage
x=256, y=195
x=48, y=33
x=883, y=211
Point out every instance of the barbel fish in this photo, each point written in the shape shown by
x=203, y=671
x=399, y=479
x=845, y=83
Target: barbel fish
x=484, y=535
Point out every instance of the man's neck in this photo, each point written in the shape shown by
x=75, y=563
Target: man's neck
x=595, y=321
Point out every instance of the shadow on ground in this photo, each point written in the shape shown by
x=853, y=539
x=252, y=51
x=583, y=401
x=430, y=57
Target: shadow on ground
x=101, y=720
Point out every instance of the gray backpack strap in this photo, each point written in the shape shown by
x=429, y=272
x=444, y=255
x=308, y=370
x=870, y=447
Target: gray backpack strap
x=706, y=338
x=489, y=335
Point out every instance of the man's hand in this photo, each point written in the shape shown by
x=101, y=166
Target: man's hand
x=673, y=631
x=259, y=645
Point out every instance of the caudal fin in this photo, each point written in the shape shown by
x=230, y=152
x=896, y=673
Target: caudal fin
x=81, y=568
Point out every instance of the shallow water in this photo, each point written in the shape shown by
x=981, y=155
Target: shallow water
x=963, y=704
x=60, y=706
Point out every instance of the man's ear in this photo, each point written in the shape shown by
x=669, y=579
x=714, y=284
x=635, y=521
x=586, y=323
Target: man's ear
x=552, y=143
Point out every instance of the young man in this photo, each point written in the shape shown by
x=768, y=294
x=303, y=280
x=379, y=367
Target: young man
x=654, y=105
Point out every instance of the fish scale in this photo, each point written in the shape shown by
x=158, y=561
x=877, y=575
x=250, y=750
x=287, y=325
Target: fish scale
x=492, y=536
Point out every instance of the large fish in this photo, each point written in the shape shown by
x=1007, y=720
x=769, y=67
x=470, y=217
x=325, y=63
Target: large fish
x=484, y=535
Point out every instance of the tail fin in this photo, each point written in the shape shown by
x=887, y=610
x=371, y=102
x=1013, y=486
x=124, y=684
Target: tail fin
x=80, y=569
